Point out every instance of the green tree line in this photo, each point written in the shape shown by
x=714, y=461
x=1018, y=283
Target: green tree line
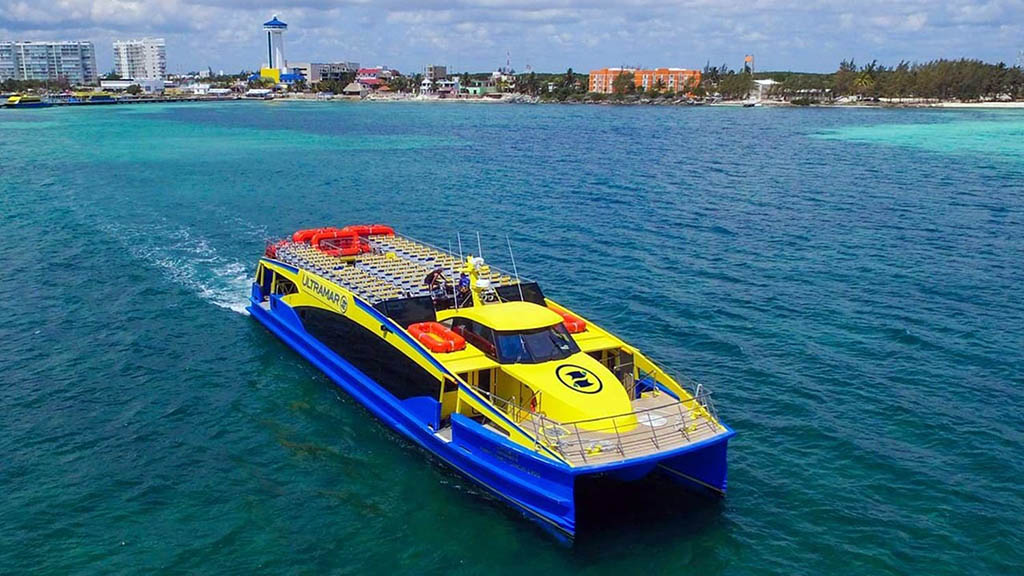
x=964, y=79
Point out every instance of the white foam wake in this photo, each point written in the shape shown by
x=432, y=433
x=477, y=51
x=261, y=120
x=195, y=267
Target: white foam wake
x=188, y=261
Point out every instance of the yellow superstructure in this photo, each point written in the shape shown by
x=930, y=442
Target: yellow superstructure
x=508, y=315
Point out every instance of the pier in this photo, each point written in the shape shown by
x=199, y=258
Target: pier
x=71, y=101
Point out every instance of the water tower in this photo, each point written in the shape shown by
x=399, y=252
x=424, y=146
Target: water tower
x=275, y=44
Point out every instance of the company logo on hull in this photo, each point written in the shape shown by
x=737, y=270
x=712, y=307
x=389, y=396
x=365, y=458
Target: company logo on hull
x=325, y=293
x=578, y=378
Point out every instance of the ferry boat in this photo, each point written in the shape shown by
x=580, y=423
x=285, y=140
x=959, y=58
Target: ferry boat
x=18, y=101
x=476, y=365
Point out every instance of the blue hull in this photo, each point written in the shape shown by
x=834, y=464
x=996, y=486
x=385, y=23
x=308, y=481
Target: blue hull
x=540, y=487
x=30, y=105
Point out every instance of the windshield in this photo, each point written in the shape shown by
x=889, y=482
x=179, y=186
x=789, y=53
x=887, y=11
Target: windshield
x=535, y=346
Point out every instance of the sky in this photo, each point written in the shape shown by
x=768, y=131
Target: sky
x=542, y=35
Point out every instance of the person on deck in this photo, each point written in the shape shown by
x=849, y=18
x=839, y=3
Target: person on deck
x=465, y=295
x=436, y=282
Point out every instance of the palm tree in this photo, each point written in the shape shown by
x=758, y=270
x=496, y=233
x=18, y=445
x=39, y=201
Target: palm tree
x=845, y=77
x=623, y=83
x=864, y=83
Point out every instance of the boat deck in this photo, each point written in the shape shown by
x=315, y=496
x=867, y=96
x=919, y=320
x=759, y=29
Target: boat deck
x=394, y=268
x=664, y=424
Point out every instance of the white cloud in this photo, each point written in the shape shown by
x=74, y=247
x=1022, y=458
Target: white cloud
x=548, y=34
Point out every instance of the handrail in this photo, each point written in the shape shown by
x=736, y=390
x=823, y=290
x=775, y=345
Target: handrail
x=569, y=440
x=456, y=256
x=512, y=409
x=567, y=437
x=705, y=395
x=509, y=406
x=694, y=388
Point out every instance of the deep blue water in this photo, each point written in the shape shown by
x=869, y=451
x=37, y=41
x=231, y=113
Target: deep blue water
x=848, y=282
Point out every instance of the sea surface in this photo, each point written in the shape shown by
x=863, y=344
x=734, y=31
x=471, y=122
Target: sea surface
x=848, y=282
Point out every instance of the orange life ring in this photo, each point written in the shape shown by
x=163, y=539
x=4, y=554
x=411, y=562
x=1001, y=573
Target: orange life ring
x=350, y=245
x=574, y=324
x=437, y=337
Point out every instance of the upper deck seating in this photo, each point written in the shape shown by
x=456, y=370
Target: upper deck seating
x=395, y=268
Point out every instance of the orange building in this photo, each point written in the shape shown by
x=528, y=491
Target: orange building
x=672, y=79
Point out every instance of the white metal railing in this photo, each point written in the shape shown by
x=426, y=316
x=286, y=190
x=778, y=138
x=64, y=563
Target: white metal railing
x=587, y=437
x=510, y=407
x=671, y=424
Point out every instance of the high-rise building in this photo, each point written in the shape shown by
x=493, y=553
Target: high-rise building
x=144, y=59
x=73, y=61
x=8, y=67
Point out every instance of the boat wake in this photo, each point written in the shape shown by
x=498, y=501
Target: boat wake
x=188, y=261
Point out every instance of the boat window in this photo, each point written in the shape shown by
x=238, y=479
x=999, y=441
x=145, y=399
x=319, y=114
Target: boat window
x=476, y=334
x=406, y=311
x=536, y=346
x=531, y=292
x=284, y=286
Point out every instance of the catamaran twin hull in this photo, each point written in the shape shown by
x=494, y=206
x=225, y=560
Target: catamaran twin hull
x=478, y=367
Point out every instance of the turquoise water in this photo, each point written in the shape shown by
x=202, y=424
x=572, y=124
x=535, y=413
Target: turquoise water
x=848, y=282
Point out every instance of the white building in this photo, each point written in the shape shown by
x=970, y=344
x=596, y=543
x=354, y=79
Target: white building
x=197, y=88
x=148, y=86
x=144, y=59
x=442, y=86
x=504, y=75
x=764, y=87
x=48, y=61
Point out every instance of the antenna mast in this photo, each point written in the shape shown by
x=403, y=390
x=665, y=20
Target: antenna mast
x=479, y=248
x=514, y=269
x=455, y=297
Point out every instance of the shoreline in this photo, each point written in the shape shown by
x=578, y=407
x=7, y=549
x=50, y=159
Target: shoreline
x=527, y=99
x=994, y=105
x=516, y=98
